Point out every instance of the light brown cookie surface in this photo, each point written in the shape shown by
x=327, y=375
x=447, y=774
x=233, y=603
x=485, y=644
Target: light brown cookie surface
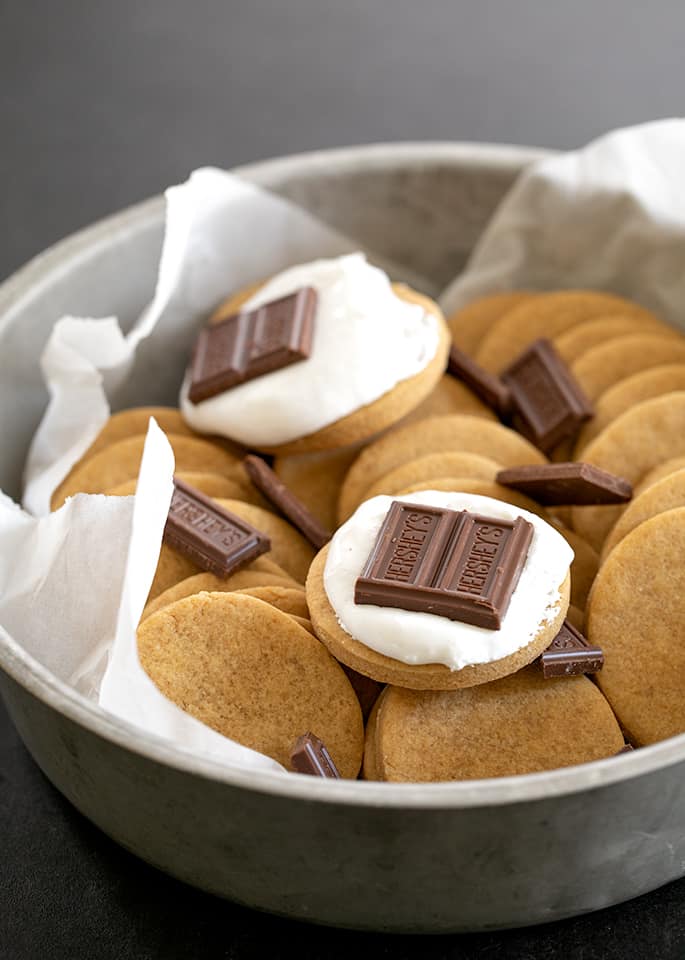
x=131, y=422
x=645, y=385
x=602, y=367
x=250, y=576
x=658, y=473
x=434, y=465
x=578, y=340
x=667, y=494
x=434, y=435
x=472, y=323
x=646, y=435
x=253, y=674
x=549, y=315
x=316, y=479
x=519, y=724
x=450, y=396
x=213, y=484
x=119, y=462
x=288, y=599
x=635, y=614
x=428, y=676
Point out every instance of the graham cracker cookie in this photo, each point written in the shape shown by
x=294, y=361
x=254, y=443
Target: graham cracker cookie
x=289, y=548
x=134, y=421
x=470, y=324
x=666, y=494
x=450, y=396
x=288, y=599
x=641, y=386
x=579, y=340
x=433, y=435
x=519, y=724
x=253, y=674
x=471, y=465
x=426, y=676
x=635, y=614
x=249, y=577
x=118, y=462
x=658, y=473
x=634, y=443
x=549, y=315
x=316, y=478
x=214, y=485
x=602, y=367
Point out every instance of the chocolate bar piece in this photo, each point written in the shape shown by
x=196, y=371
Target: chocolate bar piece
x=484, y=384
x=555, y=484
x=309, y=755
x=253, y=343
x=548, y=405
x=451, y=563
x=213, y=538
x=273, y=488
x=570, y=654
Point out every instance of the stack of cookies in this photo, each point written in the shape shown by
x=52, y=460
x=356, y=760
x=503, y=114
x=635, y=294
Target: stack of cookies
x=413, y=549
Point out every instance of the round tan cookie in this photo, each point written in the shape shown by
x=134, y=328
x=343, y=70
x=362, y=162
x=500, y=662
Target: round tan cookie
x=549, y=315
x=426, y=676
x=434, y=465
x=450, y=396
x=120, y=461
x=289, y=548
x=252, y=673
x=653, y=382
x=602, y=367
x=387, y=409
x=212, y=484
x=636, y=614
x=630, y=446
x=658, y=473
x=472, y=323
x=434, y=435
x=585, y=559
x=316, y=479
x=305, y=623
x=288, y=599
x=578, y=340
x=248, y=577
x=666, y=494
x=129, y=423
x=519, y=724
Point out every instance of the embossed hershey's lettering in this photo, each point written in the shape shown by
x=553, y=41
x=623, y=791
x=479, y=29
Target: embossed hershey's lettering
x=215, y=539
x=451, y=563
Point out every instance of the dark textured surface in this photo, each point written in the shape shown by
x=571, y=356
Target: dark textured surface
x=103, y=104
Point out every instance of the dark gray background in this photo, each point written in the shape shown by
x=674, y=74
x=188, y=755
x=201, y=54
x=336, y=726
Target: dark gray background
x=104, y=103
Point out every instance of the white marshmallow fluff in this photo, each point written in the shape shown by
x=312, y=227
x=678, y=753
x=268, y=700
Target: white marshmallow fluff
x=366, y=341
x=416, y=638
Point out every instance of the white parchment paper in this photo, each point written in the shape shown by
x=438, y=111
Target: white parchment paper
x=73, y=583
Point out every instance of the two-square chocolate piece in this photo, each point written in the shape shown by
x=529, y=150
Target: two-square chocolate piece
x=250, y=344
x=455, y=564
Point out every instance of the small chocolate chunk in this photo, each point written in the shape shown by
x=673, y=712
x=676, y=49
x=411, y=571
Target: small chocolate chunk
x=215, y=539
x=556, y=484
x=273, y=488
x=451, y=563
x=548, y=405
x=309, y=755
x=484, y=384
x=570, y=654
x=250, y=344
x=628, y=748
